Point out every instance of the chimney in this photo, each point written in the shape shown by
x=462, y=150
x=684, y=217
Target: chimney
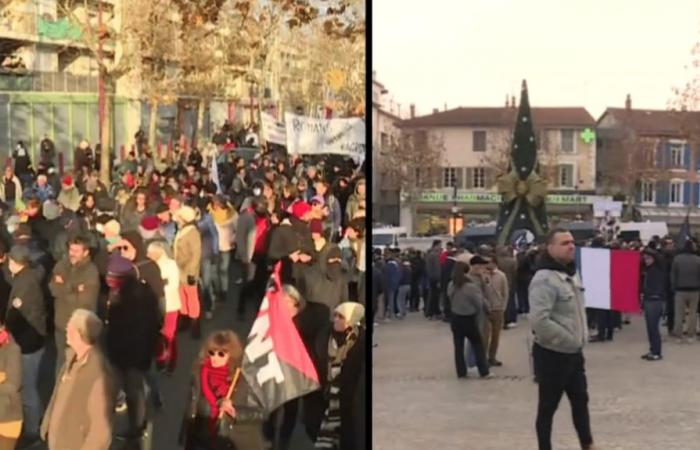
x=628, y=102
x=512, y=101
x=507, y=100
x=435, y=110
x=445, y=106
x=413, y=110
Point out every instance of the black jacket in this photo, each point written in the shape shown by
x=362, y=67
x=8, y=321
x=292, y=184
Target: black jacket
x=285, y=240
x=27, y=321
x=132, y=321
x=147, y=269
x=316, y=285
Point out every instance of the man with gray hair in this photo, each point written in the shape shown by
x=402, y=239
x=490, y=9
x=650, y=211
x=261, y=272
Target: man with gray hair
x=81, y=409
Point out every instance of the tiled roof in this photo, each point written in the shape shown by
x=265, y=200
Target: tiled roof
x=503, y=116
x=656, y=122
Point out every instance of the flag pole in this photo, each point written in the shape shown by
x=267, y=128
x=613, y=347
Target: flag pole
x=231, y=389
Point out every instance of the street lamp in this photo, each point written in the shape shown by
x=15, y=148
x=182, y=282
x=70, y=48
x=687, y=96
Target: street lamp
x=455, y=209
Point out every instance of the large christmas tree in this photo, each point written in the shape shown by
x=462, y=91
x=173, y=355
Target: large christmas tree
x=523, y=191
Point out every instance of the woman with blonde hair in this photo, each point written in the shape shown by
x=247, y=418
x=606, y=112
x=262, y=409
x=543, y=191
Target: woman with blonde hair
x=221, y=415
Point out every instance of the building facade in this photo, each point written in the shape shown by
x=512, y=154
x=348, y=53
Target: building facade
x=385, y=134
x=477, y=144
x=657, y=152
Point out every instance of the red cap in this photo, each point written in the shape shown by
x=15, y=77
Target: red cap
x=299, y=209
x=150, y=223
x=316, y=226
x=68, y=180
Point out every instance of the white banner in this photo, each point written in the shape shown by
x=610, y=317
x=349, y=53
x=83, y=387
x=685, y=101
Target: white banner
x=308, y=136
x=273, y=131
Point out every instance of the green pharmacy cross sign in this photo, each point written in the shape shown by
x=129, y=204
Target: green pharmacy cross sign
x=588, y=135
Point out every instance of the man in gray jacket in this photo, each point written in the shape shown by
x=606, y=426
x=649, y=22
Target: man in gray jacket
x=685, y=282
x=558, y=320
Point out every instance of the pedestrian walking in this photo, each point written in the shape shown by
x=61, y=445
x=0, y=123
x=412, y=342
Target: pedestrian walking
x=558, y=320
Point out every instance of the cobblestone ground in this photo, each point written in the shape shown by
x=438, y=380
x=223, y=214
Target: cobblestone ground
x=635, y=405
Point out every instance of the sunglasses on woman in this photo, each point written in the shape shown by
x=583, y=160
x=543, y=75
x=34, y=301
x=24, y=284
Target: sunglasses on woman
x=219, y=353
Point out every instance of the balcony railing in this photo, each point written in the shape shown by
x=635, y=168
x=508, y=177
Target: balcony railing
x=47, y=82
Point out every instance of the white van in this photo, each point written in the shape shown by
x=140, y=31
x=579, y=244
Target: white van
x=387, y=236
x=646, y=229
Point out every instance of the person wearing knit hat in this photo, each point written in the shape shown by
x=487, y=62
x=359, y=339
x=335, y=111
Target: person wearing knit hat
x=132, y=320
x=345, y=354
x=149, y=228
x=187, y=250
x=51, y=210
x=69, y=197
x=301, y=210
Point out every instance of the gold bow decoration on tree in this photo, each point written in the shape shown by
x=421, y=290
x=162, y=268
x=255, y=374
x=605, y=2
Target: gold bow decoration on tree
x=533, y=189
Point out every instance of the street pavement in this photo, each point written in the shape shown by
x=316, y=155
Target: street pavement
x=419, y=403
x=166, y=424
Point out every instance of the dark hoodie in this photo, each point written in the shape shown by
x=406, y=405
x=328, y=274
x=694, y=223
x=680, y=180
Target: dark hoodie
x=290, y=236
x=545, y=261
x=148, y=271
x=321, y=283
x=654, y=279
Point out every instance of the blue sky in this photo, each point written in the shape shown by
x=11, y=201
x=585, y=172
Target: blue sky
x=573, y=53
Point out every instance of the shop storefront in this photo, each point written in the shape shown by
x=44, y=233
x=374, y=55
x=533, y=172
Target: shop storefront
x=437, y=212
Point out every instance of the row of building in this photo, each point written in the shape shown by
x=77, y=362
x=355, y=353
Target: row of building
x=644, y=159
x=49, y=82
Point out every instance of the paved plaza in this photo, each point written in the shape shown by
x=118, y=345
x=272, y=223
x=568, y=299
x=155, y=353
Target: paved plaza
x=635, y=405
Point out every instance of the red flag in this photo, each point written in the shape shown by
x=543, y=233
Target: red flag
x=276, y=364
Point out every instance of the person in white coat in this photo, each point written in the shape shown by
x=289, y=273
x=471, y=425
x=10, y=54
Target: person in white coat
x=158, y=252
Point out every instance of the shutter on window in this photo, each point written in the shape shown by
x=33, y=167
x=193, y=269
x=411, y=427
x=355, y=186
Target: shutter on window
x=660, y=152
x=469, y=178
x=686, y=193
x=460, y=177
x=686, y=156
x=662, y=188
x=696, y=195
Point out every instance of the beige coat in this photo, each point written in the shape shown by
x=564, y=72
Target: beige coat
x=496, y=290
x=81, y=410
x=188, y=252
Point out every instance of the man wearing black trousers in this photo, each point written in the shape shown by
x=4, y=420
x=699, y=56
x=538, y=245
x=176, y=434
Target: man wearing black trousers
x=558, y=320
x=432, y=268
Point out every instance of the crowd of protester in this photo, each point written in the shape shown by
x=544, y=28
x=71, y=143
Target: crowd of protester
x=115, y=277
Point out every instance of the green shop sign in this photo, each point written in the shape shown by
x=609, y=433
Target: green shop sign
x=492, y=197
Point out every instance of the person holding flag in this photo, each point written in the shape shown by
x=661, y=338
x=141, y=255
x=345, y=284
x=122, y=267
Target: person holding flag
x=220, y=415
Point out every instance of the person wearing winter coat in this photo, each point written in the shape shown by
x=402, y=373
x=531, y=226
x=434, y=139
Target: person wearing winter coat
x=10, y=189
x=432, y=268
x=81, y=410
x=357, y=200
x=685, y=282
x=132, y=330
x=654, y=293
x=133, y=248
x=41, y=190
x=135, y=210
x=215, y=420
x=291, y=243
x=26, y=321
x=322, y=282
x=75, y=284
x=225, y=218
x=506, y=263
x=10, y=389
x=47, y=150
x=22, y=164
x=344, y=357
x=69, y=197
x=158, y=252
x=495, y=285
x=210, y=259
x=187, y=249
x=333, y=222
x=391, y=274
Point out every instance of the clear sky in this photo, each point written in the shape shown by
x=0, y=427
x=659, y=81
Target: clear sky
x=587, y=53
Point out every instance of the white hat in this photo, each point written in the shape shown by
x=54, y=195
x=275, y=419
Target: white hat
x=353, y=312
x=187, y=214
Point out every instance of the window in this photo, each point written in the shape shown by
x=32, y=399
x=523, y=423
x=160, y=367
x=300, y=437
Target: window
x=567, y=141
x=648, y=192
x=676, y=192
x=479, y=177
x=449, y=177
x=566, y=175
x=383, y=140
x=479, y=141
x=676, y=155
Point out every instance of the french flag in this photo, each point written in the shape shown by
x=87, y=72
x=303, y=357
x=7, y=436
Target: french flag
x=610, y=278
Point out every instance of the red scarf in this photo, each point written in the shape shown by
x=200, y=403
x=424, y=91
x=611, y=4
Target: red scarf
x=215, y=383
